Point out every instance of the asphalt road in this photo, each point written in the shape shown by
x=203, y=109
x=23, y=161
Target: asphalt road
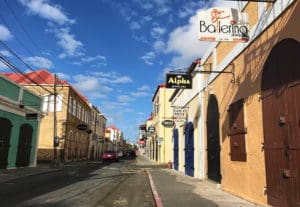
x=82, y=184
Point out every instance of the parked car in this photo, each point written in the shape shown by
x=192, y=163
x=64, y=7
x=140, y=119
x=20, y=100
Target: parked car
x=110, y=156
x=120, y=153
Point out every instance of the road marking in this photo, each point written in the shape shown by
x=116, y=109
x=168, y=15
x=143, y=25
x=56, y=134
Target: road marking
x=154, y=191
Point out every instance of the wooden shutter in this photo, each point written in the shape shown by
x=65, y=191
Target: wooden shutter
x=237, y=131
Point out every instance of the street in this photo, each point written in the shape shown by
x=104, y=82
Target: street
x=82, y=184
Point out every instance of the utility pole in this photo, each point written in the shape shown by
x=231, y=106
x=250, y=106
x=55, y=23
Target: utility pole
x=55, y=138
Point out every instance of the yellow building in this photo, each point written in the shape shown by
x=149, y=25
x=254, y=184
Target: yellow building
x=71, y=117
x=162, y=137
x=247, y=118
x=97, y=138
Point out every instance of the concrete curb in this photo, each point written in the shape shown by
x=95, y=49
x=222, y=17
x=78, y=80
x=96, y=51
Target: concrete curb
x=154, y=190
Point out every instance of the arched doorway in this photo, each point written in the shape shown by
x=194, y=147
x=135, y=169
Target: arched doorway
x=213, y=140
x=24, y=146
x=5, y=132
x=281, y=120
x=189, y=149
x=175, y=148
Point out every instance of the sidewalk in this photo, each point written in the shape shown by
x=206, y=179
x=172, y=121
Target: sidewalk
x=177, y=189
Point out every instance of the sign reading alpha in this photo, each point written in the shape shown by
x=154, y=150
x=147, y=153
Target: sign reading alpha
x=223, y=24
x=181, y=81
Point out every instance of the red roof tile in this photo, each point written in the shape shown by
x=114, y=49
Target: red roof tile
x=41, y=77
x=112, y=127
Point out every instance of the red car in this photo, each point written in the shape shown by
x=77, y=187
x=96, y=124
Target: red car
x=110, y=155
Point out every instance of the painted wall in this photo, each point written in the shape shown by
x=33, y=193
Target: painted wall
x=11, y=95
x=17, y=121
x=165, y=149
x=247, y=179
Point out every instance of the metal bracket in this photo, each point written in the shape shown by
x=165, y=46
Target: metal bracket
x=211, y=71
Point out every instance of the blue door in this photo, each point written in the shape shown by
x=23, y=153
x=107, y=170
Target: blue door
x=189, y=149
x=175, y=149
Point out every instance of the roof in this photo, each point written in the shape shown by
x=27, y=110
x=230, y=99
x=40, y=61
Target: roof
x=157, y=89
x=112, y=127
x=151, y=117
x=41, y=77
x=189, y=71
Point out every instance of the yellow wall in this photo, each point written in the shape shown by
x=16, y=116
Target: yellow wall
x=165, y=149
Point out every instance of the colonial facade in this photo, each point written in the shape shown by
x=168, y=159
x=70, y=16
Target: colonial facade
x=245, y=122
x=97, y=139
x=69, y=123
x=20, y=116
x=161, y=138
x=115, y=137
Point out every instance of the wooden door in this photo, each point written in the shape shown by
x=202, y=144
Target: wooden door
x=281, y=123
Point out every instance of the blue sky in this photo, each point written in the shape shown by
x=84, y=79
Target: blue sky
x=115, y=52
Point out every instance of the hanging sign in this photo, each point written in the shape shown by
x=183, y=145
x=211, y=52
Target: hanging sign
x=223, y=24
x=151, y=130
x=181, y=81
x=82, y=127
x=179, y=114
x=168, y=123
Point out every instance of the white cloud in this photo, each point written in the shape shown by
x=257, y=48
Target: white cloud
x=122, y=79
x=163, y=10
x=5, y=53
x=52, y=13
x=147, y=6
x=135, y=25
x=124, y=98
x=111, y=77
x=63, y=76
x=159, y=45
x=68, y=43
x=39, y=62
x=161, y=2
x=158, y=32
x=222, y=3
x=148, y=58
x=139, y=94
x=90, y=84
x=96, y=61
x=146, y=18
x=5, y=34
x=3, y=66
x=144, y=88
x=184, y=43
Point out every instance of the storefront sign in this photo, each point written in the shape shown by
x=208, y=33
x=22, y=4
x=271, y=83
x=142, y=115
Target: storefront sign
x=82, y=127
x=182, y=81
x=168, y=123
x=151, y=130
x=179, y=114
x=31, y=116
x=223, y=24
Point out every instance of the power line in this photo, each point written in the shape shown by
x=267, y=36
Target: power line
x=25, y=31
x=14, y=68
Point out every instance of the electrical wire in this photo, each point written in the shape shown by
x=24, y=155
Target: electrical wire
x=25, y=31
